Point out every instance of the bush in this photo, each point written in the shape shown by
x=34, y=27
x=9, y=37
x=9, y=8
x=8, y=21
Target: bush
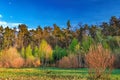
x=11, y=58
x=32, y=63
x=36, y=63
x=68, y=62
x=100, y=62
x=18, y=62
x=64, y=63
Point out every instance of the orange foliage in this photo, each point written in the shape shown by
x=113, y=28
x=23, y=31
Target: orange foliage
x=17, y=63
x=98, y=60
x=36, y=63
x=11, y=58
x=32, y=63
x=68, y=62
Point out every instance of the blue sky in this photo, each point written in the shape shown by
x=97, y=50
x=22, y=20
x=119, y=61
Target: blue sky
x=48, y=12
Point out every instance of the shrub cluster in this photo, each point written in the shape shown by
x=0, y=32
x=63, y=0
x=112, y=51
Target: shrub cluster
x=100, y=62
x=68, y=62
x=11, y=58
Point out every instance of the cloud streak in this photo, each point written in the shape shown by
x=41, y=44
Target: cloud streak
x=10, y=24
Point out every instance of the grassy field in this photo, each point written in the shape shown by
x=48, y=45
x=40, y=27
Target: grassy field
x=48, y=74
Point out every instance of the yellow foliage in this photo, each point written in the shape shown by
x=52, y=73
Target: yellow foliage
x=45, y=51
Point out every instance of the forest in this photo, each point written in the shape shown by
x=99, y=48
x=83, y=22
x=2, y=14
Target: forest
x=69, y=47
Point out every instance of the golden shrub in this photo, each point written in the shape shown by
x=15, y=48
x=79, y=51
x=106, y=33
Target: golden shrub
x=99, y=61
x=11, y=58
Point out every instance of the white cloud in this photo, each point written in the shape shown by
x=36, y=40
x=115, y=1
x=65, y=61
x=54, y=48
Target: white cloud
x=0, y=16
x=11, y=25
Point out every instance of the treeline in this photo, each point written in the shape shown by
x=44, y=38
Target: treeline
x=53, y=46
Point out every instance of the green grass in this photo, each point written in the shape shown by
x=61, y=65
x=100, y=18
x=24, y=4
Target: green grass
x=48, y=74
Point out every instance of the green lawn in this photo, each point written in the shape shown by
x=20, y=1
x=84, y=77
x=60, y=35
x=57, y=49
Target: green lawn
x=48, y=74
